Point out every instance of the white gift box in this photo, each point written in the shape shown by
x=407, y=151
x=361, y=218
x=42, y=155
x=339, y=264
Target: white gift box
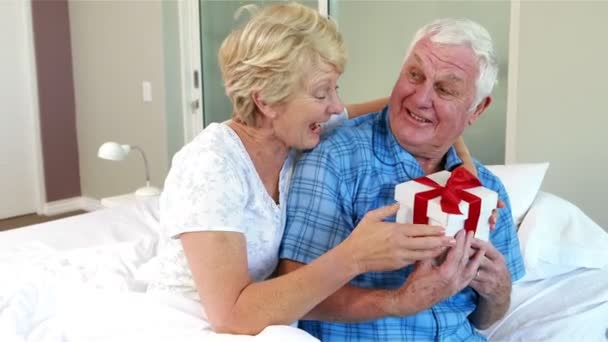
x=405, y=194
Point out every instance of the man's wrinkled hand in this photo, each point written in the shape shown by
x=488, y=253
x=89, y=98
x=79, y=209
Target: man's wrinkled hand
x=493, y=280
x=429, y=284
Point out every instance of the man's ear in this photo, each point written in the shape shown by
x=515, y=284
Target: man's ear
x=263, y=107
x=481, y=107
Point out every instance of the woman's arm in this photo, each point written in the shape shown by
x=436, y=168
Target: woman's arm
x=358, y=109
x=465, y=156
x=235, y=304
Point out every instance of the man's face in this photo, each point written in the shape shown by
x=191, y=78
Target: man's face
x=431, y=102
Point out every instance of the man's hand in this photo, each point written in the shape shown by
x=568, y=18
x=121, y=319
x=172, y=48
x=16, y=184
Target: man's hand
x=493, y=280
x=429, y=284
x=493, y=284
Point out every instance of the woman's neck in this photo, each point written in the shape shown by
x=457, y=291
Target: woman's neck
x=267, y=152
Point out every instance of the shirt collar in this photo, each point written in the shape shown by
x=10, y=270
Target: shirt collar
x=388, y=151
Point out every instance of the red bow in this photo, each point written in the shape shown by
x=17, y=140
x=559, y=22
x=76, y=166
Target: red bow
x=451, y=195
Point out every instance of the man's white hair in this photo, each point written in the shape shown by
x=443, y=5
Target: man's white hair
x=462, y=31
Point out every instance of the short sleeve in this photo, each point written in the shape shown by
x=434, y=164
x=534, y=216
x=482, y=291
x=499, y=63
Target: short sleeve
x=203, y=192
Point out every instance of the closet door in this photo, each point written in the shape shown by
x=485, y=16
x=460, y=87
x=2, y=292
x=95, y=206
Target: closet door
x=17, y=159
x=378, y=33
x=216, y=22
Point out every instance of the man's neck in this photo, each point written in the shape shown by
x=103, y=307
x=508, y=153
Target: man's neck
x=431, y=165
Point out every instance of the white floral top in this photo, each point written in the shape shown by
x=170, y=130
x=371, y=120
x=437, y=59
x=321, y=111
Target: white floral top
x=213, y=186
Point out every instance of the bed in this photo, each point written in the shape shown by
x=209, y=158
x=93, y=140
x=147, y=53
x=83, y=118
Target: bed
x=83, y=278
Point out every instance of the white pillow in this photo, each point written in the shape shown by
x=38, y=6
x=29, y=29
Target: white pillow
x=522, y=182
x=557, y=237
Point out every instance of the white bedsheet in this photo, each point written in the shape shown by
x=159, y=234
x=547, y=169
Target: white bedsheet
x=568, y=307
x=77, y=280
x=118, y=224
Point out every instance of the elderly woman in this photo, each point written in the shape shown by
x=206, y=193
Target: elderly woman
x=222, y=208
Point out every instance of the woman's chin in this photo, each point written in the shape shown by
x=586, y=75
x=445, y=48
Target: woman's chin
x=309, y=143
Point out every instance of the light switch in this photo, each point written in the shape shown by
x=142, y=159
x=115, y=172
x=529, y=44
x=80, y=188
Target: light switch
x=146, y=88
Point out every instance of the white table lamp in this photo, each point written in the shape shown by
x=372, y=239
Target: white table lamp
x=115, y=151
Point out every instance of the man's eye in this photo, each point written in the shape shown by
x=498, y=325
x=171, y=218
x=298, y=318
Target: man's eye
x=415, y=75
x=444, y=91
x=321, y=96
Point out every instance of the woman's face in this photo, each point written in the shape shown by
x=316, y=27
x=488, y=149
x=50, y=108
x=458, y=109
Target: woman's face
x=298, y=119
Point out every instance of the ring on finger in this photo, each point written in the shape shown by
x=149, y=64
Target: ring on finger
x=477, y=274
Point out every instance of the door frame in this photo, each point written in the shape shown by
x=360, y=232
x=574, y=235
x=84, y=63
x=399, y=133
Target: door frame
x=33, y=114
x=190, y=52
x=512, y=79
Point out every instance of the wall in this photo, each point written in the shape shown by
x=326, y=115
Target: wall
x=116, y=45
x=561, y=112
x=376, y=52
x=56, y=99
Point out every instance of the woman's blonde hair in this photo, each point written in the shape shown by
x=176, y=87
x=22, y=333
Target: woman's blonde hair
x=273, y=52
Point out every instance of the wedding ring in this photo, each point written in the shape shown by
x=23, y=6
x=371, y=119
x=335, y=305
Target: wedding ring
x=477, y=275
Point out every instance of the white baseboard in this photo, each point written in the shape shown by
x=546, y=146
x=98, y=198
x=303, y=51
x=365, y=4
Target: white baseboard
x=90, y=204
x=70, y=204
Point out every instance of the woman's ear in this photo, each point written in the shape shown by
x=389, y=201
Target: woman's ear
x=263, y=107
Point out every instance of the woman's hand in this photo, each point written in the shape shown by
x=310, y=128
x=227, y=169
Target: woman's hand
x=376, y=245
x=494, y=216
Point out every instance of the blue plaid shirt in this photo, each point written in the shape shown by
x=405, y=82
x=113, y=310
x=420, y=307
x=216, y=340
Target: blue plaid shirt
x=350, y=173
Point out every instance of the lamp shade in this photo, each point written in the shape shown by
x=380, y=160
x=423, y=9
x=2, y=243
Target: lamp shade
x=113, y=151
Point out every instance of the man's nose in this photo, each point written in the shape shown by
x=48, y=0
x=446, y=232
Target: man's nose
x=423, y=95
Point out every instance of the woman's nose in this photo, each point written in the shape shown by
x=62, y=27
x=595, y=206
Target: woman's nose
x=336, y=106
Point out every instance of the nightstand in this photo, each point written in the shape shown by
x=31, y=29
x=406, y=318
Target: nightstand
x=119, y=200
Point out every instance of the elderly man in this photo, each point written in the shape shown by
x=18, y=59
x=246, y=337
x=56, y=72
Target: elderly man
x=444, y=85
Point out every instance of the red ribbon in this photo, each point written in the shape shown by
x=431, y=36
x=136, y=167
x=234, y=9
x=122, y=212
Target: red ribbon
x=451, y=194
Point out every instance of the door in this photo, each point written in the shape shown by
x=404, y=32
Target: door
x=18, y=183
x=216, y=22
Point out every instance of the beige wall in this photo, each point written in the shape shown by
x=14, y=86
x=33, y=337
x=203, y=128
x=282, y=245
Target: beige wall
x=116, y=45
x=561, y=111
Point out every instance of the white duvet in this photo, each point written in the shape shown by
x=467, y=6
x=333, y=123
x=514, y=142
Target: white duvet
x=52, y=291
x=55, y=292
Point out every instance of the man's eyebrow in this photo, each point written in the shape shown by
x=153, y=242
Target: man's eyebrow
x=454, y=78
x=418, y=59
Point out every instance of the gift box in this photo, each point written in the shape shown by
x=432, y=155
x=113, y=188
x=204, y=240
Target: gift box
x=454, y=201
